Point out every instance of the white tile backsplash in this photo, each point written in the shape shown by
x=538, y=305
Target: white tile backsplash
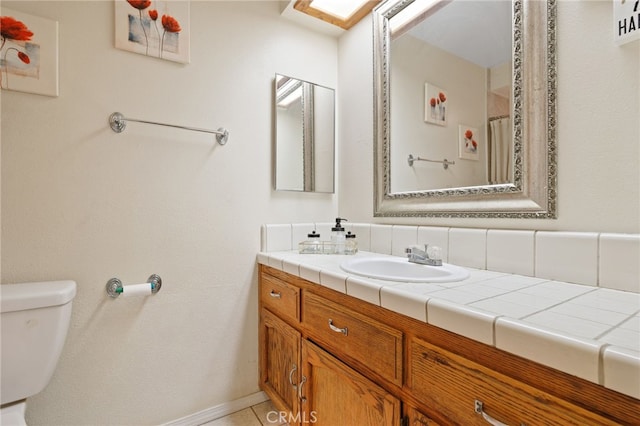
x=510, y=251
x=277, y=237
x=606, y=260
x=435, y=236
x=403, y=237
x=300, y=232
x=468, y=247
x=567, y=256
x=363, y=234
x=381, y=238
x=620, y=262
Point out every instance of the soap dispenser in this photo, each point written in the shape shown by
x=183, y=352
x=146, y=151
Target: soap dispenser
x=350, y=245
x=338, y=236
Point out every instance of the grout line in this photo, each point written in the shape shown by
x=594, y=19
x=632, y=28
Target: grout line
x=256, y=415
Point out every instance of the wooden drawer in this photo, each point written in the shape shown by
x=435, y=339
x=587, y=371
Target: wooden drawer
x=354, y=337
x=280, y=298
x=450, y=385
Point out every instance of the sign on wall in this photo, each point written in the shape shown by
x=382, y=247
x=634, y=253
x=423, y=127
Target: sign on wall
x=626, y=20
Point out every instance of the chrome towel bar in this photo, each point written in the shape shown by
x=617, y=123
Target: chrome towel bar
x=118, y=123
x=445, y=162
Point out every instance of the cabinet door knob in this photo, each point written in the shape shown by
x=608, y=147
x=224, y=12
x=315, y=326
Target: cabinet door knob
x=275, y=294
x=479, y=408
x=344, y=331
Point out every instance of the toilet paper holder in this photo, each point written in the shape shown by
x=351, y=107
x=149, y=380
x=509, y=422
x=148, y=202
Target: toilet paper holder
x=152, y=286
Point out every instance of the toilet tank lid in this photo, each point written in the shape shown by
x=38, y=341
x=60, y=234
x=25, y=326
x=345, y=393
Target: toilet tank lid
x=19, y=297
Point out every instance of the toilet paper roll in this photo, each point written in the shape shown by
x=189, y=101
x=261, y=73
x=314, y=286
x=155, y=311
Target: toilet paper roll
x=136, y=290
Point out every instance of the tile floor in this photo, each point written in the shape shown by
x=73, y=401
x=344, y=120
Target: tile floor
x=263, y=414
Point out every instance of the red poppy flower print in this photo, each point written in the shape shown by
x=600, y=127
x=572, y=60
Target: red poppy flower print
x=432, y=102
x=140, y=4
x=153, y=28
x=442, y=97
x=468, y=134
x=170, y=24
x=12, y=29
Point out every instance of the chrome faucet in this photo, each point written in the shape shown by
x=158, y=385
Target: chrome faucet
x=417, y=254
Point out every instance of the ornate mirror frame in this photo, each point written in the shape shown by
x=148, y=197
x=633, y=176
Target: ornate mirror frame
x=532, y=194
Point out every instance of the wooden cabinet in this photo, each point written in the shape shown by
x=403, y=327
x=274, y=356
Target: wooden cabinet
x=350, y=336
x=279, y=361
x=309, y=385
x=416, y=418
x=467, y=393
x=334, y=394
x=330, y=359
x=281, y=298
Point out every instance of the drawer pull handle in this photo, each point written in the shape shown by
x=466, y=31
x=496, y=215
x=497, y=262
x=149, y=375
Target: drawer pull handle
x=337, y=329
x=480, y=410
x=302, y=382
x=275, y=294
x=293, y=370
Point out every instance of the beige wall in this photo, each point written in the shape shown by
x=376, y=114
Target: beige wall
x=598, y=105
x=83, y=203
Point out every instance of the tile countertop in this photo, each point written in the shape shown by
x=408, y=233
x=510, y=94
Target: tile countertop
x=586, y=331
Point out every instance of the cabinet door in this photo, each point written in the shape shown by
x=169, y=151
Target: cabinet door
x=334, y=394
x=416, y=418
x=279, y=362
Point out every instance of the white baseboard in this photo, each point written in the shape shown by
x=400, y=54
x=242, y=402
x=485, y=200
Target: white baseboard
x=218, y=411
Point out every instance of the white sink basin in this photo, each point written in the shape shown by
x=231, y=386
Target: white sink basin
x=400, y=269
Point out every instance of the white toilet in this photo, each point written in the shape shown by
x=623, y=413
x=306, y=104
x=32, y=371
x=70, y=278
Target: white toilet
x=35, y=319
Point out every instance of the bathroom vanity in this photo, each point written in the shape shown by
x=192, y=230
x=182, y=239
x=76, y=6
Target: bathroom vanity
x=329, y=358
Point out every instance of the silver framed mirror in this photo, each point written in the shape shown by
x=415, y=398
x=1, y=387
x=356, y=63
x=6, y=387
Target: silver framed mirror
x=529, y=188
x=305, y=136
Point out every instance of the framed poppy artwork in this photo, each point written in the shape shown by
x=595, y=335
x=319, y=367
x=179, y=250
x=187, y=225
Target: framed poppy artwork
x=155, y=28
x=435, y=105
x=468, y=143
x=28, y=53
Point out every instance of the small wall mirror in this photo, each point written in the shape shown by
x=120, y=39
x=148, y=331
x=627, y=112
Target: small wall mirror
x=465, y=108
x=305, y=136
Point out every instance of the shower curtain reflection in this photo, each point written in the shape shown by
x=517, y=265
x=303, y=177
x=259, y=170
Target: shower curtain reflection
x=500, y=156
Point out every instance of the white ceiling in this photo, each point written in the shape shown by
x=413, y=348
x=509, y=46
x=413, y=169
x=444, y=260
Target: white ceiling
x=476, y=30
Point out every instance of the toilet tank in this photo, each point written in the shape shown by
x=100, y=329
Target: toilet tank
x=34, y=320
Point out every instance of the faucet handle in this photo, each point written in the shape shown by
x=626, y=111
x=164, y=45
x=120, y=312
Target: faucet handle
x=434, y=252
